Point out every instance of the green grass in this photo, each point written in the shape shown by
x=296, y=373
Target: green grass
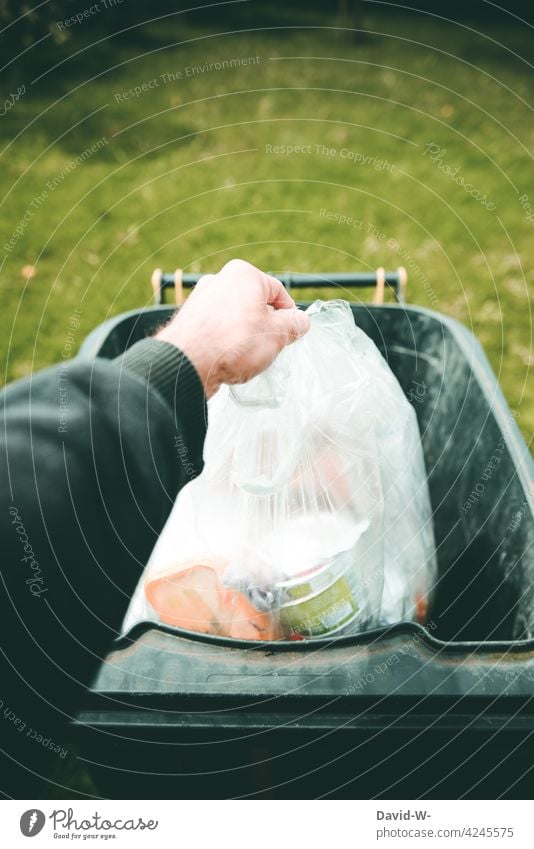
x=184, y=177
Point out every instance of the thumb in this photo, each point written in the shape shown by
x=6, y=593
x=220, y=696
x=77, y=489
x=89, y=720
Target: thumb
x=288, y=325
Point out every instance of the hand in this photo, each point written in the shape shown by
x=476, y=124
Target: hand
x=234, y=324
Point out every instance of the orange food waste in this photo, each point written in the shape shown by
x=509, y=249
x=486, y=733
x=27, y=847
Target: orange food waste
x=194, y=598
x=421, y=609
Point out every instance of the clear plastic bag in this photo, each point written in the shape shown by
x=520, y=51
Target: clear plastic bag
x=311, y=517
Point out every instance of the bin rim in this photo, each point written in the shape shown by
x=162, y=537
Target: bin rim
x=375, y=635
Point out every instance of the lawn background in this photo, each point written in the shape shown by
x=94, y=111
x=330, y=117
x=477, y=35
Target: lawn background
x=183, y=176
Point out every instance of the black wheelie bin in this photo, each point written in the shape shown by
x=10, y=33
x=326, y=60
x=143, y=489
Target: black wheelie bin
x=442, y=711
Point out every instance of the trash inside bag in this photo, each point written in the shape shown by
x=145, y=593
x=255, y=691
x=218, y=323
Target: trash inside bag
x=311, y=517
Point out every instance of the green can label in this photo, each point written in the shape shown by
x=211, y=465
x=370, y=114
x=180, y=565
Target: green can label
x=318, y=616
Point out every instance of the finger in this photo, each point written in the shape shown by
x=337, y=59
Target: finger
x=277, y=294
x=288, y=325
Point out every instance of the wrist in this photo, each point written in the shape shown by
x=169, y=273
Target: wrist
x=197, y=352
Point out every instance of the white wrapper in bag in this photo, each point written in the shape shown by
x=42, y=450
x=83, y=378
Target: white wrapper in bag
x=311, y=516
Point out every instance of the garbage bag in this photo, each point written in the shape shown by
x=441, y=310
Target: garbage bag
x=311, y=517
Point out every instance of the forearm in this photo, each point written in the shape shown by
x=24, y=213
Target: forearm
x=93, y=457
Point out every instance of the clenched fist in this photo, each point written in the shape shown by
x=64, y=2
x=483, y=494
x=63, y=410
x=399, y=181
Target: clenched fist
x=234, y=324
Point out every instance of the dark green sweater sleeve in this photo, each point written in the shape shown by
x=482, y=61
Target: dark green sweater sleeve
x=167, y=371
x=93, y=455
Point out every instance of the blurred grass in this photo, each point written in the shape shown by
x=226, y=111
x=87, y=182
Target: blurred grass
x=184, y=177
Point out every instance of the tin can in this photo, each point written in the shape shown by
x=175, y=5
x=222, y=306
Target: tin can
x=318, y=615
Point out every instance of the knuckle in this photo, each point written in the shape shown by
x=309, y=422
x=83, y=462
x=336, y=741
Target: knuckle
x=234, y=266
x=293, y=328
x=204, y=281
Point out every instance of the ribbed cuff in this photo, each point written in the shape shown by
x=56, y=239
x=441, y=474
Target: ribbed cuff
x=169, y=372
